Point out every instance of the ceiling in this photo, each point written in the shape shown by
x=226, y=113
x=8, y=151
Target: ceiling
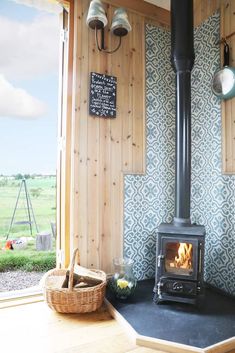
x=161, y=3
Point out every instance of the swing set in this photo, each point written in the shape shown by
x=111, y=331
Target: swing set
x=28, y=208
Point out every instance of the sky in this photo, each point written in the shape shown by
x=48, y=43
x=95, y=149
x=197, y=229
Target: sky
x=29, y=67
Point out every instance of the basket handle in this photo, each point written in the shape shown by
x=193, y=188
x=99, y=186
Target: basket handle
x=71, y=272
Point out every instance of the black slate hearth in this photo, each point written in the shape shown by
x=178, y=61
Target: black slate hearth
x=212, y=322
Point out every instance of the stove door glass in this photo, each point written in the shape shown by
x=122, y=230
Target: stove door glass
x=179, y=258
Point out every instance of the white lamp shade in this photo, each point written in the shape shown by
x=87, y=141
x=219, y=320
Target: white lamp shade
x=96, y=17
x=120, y=24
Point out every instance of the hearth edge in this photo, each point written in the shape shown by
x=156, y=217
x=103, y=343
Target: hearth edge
x=167, y=346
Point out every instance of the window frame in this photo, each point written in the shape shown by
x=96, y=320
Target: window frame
x=63, y=177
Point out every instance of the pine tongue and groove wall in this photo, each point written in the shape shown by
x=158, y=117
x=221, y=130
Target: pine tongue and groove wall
x=202, y=10
x=228, y=107
x=106, y=149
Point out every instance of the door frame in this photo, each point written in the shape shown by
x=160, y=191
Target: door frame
x=64, y=191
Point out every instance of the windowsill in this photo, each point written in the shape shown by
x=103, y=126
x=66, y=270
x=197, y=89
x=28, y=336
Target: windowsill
x=21, y=297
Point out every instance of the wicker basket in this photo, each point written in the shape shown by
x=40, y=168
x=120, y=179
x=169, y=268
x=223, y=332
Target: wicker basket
x=73, y=300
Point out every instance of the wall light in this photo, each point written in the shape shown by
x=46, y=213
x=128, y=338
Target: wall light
x=97, y=20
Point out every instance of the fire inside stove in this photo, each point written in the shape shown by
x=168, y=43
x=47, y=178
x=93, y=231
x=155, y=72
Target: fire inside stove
x=179, y=258
x=179, y=265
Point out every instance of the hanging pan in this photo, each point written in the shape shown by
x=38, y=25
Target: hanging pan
x=223, y=85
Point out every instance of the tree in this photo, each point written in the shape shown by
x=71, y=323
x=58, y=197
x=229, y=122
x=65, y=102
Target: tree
x=19, y=176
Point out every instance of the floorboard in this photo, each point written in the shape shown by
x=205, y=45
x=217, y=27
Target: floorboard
x=35, y=328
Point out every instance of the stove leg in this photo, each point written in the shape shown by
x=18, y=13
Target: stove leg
x=156, y=298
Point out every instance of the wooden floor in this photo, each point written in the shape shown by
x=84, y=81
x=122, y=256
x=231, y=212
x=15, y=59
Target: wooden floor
x=34, y=328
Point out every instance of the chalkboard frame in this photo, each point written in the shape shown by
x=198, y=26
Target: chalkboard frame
x=106, y=107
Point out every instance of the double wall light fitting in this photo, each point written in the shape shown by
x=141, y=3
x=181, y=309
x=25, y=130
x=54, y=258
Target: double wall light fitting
x=97, y=20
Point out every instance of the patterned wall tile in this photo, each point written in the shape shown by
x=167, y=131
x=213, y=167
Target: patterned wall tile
x=149, y=199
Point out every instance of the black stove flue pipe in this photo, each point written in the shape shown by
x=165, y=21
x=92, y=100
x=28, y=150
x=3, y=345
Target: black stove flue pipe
x=182, y=59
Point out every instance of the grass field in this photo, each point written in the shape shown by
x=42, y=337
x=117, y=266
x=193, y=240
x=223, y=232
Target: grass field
x=27, y=260
x=42, y=191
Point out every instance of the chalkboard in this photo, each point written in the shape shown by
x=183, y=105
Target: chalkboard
x=103, y=89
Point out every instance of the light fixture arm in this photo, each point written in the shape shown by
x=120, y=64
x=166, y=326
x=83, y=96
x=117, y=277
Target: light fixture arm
x=97, y=20
x=102, y=47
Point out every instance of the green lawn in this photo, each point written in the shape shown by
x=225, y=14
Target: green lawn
x=27, y=260
x=42, y=192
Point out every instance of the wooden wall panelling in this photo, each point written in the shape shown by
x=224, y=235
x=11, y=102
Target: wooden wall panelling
x=104, y=192
x=127, y=126
x=93, y=160
x=232, y=63
x=227, y=142
x=80, y=182
x=105, y=206
x=144, y=9
x=104, y=175
x=228, y=106
x=121, y=60
x=138, y=87
x=203, y=9
x=105, y=148
x=223, y=135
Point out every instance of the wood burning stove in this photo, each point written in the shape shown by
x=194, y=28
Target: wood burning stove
x=179, y=265
x=180, y=245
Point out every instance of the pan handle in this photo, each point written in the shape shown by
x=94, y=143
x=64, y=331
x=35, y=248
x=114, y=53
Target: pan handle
x=226, y=54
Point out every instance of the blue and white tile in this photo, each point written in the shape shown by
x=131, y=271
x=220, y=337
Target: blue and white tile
x=149, y=199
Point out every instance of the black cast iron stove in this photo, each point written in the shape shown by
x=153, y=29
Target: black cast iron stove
x=179, y=265
x=180, y=245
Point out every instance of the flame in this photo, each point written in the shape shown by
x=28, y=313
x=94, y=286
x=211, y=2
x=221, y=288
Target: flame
x=184, y=259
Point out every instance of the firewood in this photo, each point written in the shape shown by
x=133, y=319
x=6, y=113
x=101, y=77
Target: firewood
x=82, y=271
x=83, y=285
x=55, y=282
x=90, y=281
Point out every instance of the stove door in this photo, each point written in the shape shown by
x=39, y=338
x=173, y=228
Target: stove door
x=179, y=257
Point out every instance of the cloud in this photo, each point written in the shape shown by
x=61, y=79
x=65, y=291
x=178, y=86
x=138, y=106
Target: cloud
x=44, y=5
x=29, y=49
x=17, y=103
